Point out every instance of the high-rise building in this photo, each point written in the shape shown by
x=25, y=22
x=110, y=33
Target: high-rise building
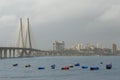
x=58, y=46
x=114, y=48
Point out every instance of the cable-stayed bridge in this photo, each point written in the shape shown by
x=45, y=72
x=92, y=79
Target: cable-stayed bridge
x=23, y=46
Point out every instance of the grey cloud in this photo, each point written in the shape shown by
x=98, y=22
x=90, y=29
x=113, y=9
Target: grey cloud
x=73, y=21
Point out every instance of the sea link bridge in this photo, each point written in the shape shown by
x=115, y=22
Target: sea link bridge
x=23, y=47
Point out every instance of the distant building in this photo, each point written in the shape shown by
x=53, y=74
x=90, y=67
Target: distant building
x=114, y=48
x=58, y=46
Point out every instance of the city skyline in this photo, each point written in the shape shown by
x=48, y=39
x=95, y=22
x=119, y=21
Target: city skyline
x=79, y=46
x=78, y=21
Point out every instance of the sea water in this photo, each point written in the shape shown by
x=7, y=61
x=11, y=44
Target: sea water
x=20, y=72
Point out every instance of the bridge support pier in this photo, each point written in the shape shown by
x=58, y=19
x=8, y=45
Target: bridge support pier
x=13, y=53
x=5, y=53
x=0, y=53
x=10, y=55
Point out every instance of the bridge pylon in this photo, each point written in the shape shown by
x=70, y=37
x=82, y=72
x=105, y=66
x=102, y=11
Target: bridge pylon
x=24, y=38
x=20, y=39
x=28, y=36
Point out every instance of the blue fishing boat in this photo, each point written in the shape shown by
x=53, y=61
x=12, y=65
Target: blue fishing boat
x=94, y=68
x=41, y=68
x=108, y=66
x=84, y=67
x=53, y=66
x=77, y=64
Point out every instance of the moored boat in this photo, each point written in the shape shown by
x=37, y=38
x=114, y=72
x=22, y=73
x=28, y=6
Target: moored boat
x=77, y=64
x=65, y=68
x=94, y=68
x=53, y=66
x=41, y=68
x=84, y=67
x=15, y=65
x=27, y=65
x=71, y=66
x=108, y=66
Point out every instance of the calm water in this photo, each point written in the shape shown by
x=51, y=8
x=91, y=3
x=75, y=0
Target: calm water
x=8, y=72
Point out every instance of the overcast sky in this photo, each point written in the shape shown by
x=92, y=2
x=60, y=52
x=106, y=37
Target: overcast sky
x=72, y=21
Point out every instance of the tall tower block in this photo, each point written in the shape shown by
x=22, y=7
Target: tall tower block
x=114, y=48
